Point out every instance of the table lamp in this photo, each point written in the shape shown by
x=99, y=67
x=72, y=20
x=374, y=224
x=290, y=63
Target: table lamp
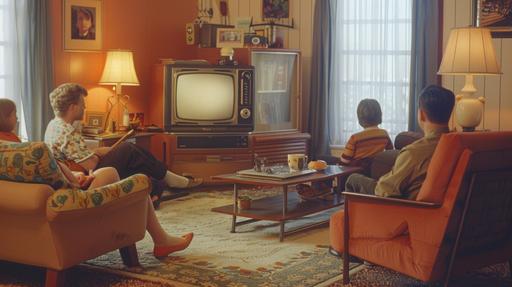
x=119, y=71
x=469, y=52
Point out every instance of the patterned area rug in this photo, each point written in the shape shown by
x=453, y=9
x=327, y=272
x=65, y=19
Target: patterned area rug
x=251, y=257
x=497, y=275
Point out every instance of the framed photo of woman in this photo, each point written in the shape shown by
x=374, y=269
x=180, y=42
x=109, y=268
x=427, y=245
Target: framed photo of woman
x=82, y=25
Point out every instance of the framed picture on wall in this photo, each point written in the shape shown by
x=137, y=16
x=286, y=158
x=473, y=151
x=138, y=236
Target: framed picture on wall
x=227, y=37
x=95, y=119
x=495, y=15
x=275, y=9
x=82, y=25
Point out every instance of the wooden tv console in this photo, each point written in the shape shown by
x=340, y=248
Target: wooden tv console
x=208, y=162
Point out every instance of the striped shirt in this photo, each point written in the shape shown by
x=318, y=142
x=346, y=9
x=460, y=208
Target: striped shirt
x=365, y=144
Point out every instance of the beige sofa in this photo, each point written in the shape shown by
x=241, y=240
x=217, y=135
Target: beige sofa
x=35, y=234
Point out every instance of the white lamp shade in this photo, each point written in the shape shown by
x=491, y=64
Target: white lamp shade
x=119, y=69
x=469, y=50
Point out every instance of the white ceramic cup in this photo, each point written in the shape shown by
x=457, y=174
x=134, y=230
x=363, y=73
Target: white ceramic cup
x=297, y=161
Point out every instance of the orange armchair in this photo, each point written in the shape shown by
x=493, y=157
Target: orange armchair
x=462, y=219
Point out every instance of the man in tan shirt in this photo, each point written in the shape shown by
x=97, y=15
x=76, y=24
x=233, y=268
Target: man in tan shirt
x=410, y=169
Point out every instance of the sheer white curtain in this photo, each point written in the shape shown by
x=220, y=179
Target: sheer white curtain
x=13, y=19
x=371, y=59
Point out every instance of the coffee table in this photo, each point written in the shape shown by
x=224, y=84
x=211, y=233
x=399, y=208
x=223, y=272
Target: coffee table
x=288, y=206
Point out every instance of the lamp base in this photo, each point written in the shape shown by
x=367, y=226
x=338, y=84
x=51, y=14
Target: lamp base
x=468, y=112
x=468, y=129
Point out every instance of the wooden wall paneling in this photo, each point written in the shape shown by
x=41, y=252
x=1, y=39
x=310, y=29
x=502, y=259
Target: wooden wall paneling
x=449, y=8
x=462, y=19
x=306, y=46
x=233, y=6
x=294, y=34
x=506, y=85
x=491, y=118
x=244, y=9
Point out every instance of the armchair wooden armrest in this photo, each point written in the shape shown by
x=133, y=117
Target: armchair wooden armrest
x=389, y=200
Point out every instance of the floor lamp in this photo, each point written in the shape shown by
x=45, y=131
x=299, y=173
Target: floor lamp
x=119, y=71
x=469, y=52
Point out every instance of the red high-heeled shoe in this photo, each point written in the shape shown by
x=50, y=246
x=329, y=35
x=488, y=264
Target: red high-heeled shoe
x=163, y=251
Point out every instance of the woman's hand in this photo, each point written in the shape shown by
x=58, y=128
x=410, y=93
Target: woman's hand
x=84, y=181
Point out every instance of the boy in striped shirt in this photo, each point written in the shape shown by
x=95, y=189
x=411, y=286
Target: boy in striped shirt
x=369, y=142
x=360, y=148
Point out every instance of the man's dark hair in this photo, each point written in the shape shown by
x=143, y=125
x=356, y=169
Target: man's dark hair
x=437, y=102
x=369, y=113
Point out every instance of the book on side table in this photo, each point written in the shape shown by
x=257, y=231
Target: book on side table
x=275, y=172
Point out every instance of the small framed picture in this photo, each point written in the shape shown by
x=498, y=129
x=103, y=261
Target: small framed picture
x=83, y=25
x=495, y=15
x=230, y=38
x=95, y=119
x=275, y=9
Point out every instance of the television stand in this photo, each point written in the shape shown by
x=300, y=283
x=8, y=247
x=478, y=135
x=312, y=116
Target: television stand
x=206, y=155
x=212, y=141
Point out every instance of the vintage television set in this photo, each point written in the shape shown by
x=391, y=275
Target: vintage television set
x=202, y=98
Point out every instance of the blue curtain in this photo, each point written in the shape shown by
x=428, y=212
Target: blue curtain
x=35, y=74
x=425, y=52
x=323, y=33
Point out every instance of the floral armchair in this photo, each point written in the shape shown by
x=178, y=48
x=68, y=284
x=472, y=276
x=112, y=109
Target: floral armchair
x=47, y=223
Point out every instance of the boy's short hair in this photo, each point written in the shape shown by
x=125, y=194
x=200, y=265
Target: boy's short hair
x=437, y=103
x=65, y=95
x=6, y=108
x=369, y=113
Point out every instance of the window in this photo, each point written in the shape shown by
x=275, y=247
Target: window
x=11, y=62
x=3, y=47
x=372, y=51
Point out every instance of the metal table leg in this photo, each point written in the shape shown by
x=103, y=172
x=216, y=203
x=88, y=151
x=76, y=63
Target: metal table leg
x=285, y=210
x=235, y=207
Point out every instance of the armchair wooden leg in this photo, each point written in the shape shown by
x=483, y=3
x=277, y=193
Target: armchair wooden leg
x=55, y=278
x=129, y=255
x=346, y=255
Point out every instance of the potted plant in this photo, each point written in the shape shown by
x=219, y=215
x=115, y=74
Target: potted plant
x=244, y=202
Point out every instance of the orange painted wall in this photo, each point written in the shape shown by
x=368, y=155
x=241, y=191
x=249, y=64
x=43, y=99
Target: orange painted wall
x=151, y=29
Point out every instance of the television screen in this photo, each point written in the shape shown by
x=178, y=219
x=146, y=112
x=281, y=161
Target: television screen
x=205, y=97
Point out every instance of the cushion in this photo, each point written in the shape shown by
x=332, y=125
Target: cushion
x=383, y=162
x=74, y=198
x=30, y=162
x=406, y=138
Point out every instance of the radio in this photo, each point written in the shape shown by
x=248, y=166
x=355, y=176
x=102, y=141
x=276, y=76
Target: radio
x=253, y=40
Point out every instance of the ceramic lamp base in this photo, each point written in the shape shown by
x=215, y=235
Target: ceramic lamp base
x=468, y=113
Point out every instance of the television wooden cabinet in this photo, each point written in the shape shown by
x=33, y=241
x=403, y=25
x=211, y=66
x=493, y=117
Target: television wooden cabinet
x=206, y=162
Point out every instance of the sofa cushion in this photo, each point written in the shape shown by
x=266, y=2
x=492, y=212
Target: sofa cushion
x=74, y=198
x=30, y=162
x=406, y=138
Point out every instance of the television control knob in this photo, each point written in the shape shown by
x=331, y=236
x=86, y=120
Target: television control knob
x=245, y=113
